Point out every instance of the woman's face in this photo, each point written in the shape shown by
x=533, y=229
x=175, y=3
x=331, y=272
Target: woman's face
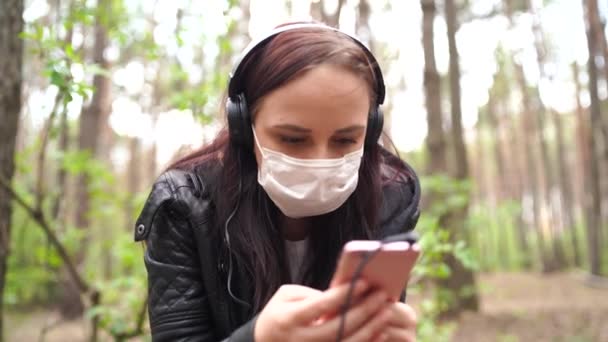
x=321, y=114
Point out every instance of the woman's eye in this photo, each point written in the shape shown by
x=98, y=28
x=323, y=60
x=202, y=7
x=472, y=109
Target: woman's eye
x=292, y=140
x=345, y=141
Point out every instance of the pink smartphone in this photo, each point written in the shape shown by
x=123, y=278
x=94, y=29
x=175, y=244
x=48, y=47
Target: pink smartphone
x=389, y=268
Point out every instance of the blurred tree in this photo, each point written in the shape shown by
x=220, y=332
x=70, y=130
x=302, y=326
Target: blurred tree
x=93, y=121
x=362, y=27
x=582, y=132
x=508, y=143
x=592, y=184
x=600, y=51
x=461, y=281
x=435, y=140
x=567, y=193
x=320, y=12
x=558, y=259
x=11, y=59
x=531, y=175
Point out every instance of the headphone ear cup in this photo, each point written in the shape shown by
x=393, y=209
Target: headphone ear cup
x=239, y=121
x=374, y=126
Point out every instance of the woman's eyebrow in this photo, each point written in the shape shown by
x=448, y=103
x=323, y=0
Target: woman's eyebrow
x=350, y=129
x=293, y=128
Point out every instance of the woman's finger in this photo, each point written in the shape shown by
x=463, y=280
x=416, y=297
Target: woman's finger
x=395, y=334
x=290, y=292
x=356, y=316
x=330, y=300
x=403, y=315
x=371, y=329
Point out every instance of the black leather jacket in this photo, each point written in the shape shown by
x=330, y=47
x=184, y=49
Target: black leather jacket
x=188, y=300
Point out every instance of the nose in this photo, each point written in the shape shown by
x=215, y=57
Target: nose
x=322, y=151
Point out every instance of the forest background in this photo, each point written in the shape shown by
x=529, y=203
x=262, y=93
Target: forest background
x=500, y=105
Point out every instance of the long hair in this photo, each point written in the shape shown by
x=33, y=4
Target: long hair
x=256, y=242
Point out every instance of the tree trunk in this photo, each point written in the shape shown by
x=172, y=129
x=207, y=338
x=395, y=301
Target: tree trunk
x=518, y=151
x=362, y=27
x=592, y=184
x=435, y=140
x=559, y=259
x=92, y=121
x=511, y=147
x=503, y=180
x=532, y=177
x=567, y=203
x=601, y=50
x=499, y=158
x=133, y=176
x=582, y=133
x=529, y=161
x=11, y=62
x=317, y=11
x=461, y=281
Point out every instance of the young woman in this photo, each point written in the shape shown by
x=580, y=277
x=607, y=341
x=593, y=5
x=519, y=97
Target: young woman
x=243, y=235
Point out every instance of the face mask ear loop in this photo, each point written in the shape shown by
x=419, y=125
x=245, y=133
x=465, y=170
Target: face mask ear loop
x=257, y=142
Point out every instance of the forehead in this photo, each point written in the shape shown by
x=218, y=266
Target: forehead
x=325, y=96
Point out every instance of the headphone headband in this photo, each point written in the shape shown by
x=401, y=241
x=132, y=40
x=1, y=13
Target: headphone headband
x=234, y=84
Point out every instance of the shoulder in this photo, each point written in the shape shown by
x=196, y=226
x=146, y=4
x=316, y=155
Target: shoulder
x=401, y=193
x=181, y=194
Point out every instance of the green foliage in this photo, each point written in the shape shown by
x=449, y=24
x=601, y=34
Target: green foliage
x=33, y=266
x=123, y=295
x=435, y=243
x=494, y=240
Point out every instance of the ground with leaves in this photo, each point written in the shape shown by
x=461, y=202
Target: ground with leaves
x=515, y=307
x=534, y=307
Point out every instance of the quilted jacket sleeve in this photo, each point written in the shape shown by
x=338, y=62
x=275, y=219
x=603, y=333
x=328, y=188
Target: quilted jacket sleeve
x=178, y=306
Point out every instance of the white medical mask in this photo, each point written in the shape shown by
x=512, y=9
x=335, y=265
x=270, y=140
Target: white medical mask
x=307, y=187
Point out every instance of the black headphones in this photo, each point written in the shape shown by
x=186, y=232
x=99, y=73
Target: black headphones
x=239, y=118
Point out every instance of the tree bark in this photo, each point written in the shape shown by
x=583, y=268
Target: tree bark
x=532, y=177
x=362, y=27
x=582, y=133
x=601, y=50
x=92, y=120
x=11, y=63
x=511, y=148
x=318, y=13
x=592, y=185
x=533, y=182
x=461, y=281
x=559, y=258
x=435, y=140
x=566, y=187
x=499, y=157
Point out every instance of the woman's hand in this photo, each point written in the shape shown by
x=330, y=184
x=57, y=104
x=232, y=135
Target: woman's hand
x=402, y=325
x=293, y=313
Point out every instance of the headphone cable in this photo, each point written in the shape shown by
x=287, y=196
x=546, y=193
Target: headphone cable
x=227, y=238
x=410, y=237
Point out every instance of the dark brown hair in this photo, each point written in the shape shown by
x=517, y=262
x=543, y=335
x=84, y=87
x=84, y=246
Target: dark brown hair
x=256, y=242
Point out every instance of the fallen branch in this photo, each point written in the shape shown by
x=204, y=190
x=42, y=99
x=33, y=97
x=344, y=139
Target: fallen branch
x=46, y=132
x=139, y=325
x=39, y=217
x=93, y=295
